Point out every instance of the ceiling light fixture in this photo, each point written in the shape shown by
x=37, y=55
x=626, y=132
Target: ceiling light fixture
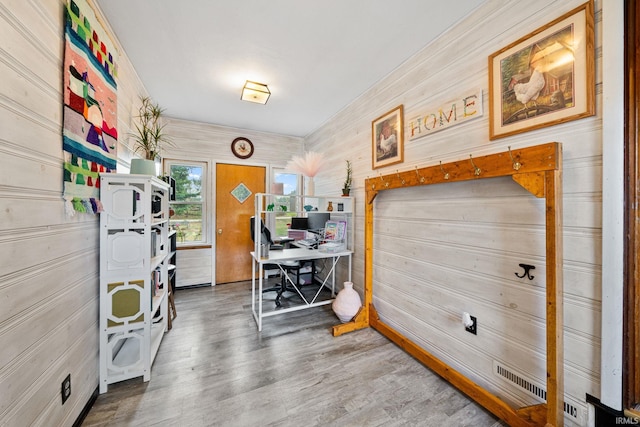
x=255, y=92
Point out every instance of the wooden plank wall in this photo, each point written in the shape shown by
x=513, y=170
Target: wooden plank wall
x=49, y=263
x=48, y=315
x=445, y=249
x=49, y=268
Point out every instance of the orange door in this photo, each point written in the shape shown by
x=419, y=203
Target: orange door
x=236, y=187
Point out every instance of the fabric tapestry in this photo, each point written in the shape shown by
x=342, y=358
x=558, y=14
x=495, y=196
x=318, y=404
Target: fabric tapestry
x=90, y=108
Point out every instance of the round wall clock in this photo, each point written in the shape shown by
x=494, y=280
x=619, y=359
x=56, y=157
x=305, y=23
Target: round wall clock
x=242, y=148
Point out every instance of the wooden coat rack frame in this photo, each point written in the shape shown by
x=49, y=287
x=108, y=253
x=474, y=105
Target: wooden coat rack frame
x=538, y=170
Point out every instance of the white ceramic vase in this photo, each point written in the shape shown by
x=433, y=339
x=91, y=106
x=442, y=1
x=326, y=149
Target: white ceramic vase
x=311, y=187
x=347, y=303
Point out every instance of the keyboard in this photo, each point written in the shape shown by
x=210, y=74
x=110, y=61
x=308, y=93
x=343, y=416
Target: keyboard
x=307, y=242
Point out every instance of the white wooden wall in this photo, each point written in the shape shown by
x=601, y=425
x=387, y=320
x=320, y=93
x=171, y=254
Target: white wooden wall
x=49, y=268
x=195, y=141
x=464, y=244
x=445, y=249
x=48, y=262
x=613, y=174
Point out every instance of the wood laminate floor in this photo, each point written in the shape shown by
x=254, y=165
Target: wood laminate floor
x=215, y=369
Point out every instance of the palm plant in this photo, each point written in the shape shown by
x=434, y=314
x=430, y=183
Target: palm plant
x=149, y=136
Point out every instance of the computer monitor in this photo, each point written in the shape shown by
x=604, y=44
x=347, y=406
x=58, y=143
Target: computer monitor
x=317, y=220
x=299, y=223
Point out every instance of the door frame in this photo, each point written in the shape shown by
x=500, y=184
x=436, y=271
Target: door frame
x=631, y=322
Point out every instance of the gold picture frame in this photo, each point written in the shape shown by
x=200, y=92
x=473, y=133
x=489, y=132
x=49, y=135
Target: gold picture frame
x=545, y=78
x=387, y=139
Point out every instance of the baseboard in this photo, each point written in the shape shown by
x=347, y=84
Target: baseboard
x=86, y=409
x=200, y=285
x=607, y=417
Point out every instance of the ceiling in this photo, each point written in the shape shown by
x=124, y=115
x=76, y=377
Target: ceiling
x=194, y=56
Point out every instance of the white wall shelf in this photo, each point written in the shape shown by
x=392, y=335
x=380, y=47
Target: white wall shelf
x=270, y=207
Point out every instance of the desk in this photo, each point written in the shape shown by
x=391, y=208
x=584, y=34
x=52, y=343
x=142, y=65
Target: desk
x=293, y=254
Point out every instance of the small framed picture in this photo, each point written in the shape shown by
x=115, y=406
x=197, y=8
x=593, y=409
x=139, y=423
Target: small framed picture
x=544, y=78
x=387, y=139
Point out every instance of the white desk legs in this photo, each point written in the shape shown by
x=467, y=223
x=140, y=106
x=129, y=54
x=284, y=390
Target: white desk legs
x=332, y=275
x=258, y=312
x=334, y=261
x=288, y=279
x=257, y=316
x=253, y=286
x=260, y=298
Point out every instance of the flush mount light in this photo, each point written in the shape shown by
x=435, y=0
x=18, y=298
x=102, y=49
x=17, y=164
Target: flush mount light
x=255, y=92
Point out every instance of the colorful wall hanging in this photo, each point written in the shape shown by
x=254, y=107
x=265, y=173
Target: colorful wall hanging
x=90, y=108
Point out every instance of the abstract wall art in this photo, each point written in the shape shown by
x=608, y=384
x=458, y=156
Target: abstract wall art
x=90, y=108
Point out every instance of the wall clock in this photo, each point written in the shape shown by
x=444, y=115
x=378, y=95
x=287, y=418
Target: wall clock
x=242, y=148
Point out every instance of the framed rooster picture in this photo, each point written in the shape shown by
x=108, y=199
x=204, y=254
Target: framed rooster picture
x=544, y=78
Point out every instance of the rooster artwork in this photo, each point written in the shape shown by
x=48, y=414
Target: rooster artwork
x=539, y=80
x=529, y=91
x=544, y=78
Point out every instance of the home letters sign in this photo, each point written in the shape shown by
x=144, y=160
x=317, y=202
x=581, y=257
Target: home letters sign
x=466, y=107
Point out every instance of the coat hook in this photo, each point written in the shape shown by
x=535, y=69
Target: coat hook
x=526, y=273
x=373, y=185
x=421, y=178
x=386, y=184
x=446, y=174
x=399, y=177
x=476, y=170
x=516, y=165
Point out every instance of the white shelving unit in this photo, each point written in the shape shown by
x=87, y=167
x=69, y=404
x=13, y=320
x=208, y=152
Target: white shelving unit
x=134, y=279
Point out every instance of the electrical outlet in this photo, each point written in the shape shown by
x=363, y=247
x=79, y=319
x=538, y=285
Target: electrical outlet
x=65, y=389
x=473, y=328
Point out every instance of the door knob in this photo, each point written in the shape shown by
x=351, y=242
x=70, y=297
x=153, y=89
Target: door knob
x=219, y=230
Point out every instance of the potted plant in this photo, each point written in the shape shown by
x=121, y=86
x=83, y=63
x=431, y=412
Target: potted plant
x=148, y=138
x=346, y=187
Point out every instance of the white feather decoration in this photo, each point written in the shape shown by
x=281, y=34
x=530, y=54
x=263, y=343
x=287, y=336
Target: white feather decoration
x=307, y=165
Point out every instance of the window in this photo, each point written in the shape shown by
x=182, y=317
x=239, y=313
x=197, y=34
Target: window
x=290, y=185
x=189, y=205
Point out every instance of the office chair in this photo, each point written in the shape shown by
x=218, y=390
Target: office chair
x=288, y=266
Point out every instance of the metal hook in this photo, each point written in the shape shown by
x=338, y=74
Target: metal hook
x=386, y=184
x=526, y=273
x=421, y=178
x=399, y=177
x=476, y=170
x=516, y=165
x=446, y=174
x=373, y=186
